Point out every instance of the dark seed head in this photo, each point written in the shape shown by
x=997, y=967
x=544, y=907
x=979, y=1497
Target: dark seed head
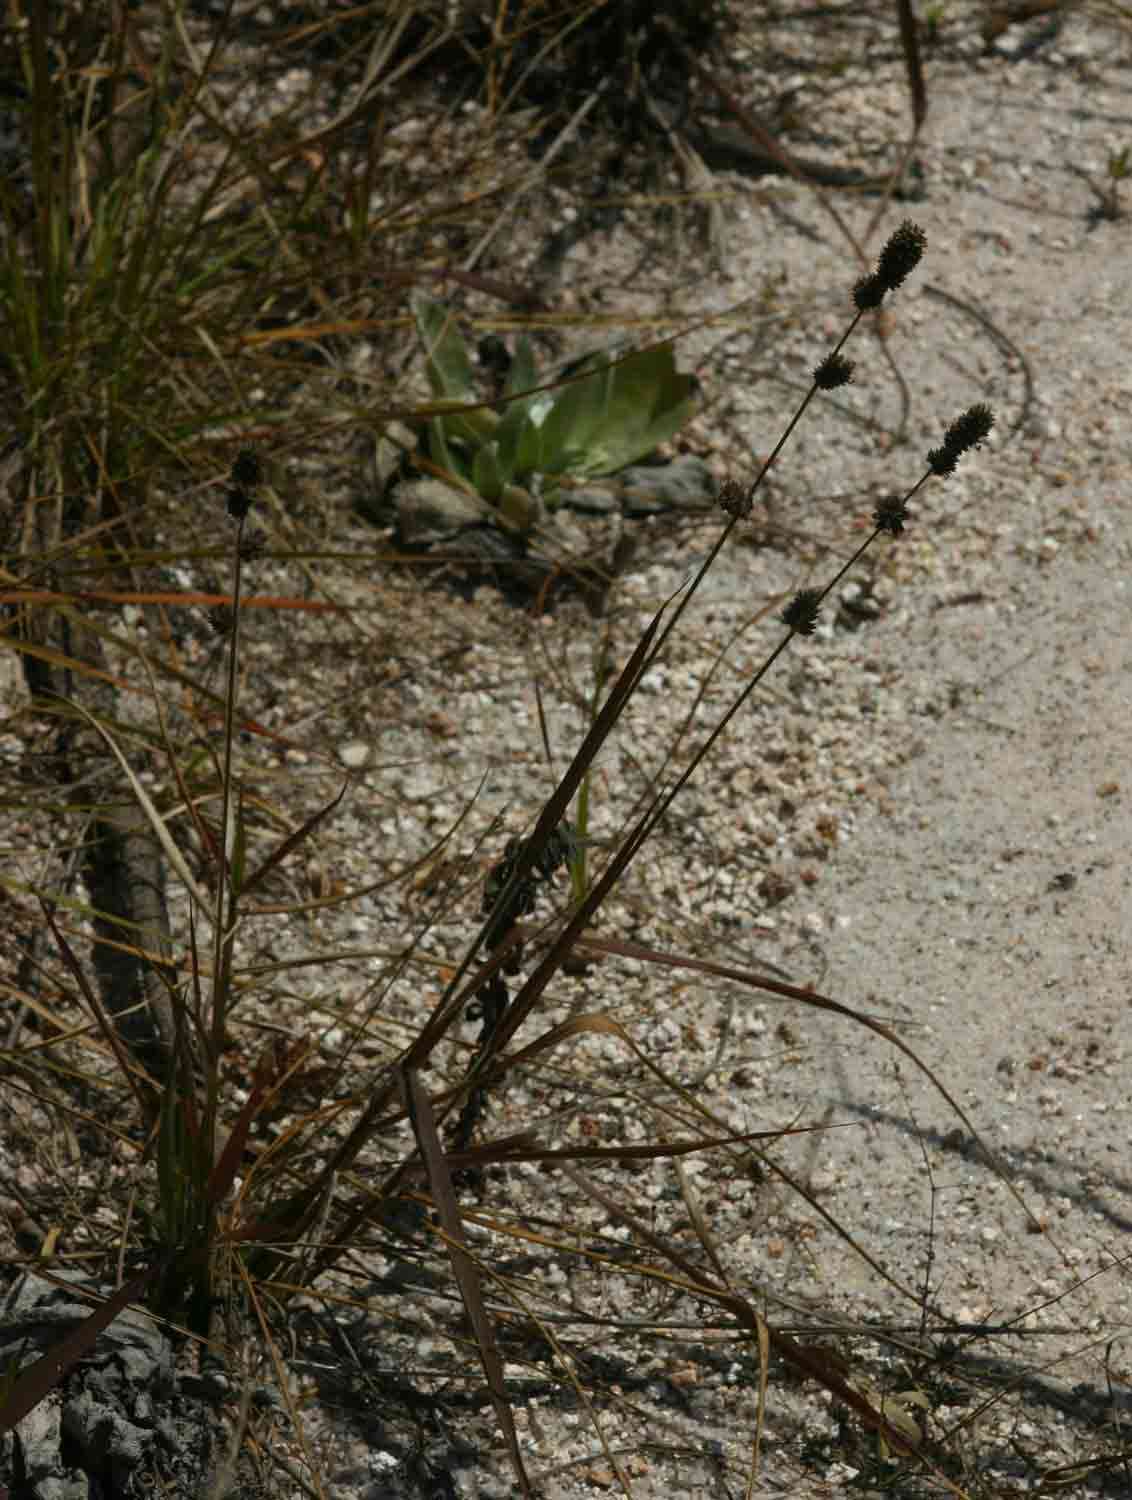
x=801, y=614
x=969, y=430
x=890, y=515
x=247, y=471
x=966, y=432
x=901, y=255
x=239, y=503
x=834, y=370
x=734, y=499
x=222, y=618
x=869, y=293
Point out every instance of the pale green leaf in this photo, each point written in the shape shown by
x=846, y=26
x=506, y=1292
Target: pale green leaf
x=449, y=368
x=522, y=375
x=617, y=415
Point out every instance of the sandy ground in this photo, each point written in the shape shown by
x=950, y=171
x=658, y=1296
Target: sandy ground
x=982, y=912
x=984, y=904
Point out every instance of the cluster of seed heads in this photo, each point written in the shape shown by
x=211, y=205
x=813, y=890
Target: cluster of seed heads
x=490, y=1003
x=899, y=257
x=561, y=848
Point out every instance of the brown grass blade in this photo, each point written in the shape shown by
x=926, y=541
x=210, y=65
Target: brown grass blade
x=699, y=1223
x=292, y=841
x=805, y=997
x=821, y=1002
x=127, y=1067
x=605, y=1026
x=522, y=1148
x=270, y=1074
x=154, y=818
x=185, y=599
x=463, y=1266
x=452, y=1002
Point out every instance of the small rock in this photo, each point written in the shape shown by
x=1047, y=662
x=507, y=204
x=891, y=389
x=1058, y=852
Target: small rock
x=590, y=499
x=354, y=754
x=429, y=511
x=684, y=484
x=117, y=1411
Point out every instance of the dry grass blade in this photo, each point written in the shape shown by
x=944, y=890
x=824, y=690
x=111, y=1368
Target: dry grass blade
x=707, y=1241
x=292, y=841
x=173, y=598
x=698, y=1222
x=454, y=998
x=155, y=820
x=110, y=1034
x=763, y=1339
x=51, y=656
x=516, y=1149
x=521, y=1148
x=270, y=1076
x=463, y=1266
x=248, y=1288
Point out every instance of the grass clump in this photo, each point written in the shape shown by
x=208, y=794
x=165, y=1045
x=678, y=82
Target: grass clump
x=266, y=1241
x=157, y=268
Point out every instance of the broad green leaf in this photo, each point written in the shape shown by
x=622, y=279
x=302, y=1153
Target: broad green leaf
x=517, y=439
x=573, y=423
x=507, y=439
x=450, y=457
x=644, y=401
x=450, y=371
x=519, y=447
x=449, y=368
